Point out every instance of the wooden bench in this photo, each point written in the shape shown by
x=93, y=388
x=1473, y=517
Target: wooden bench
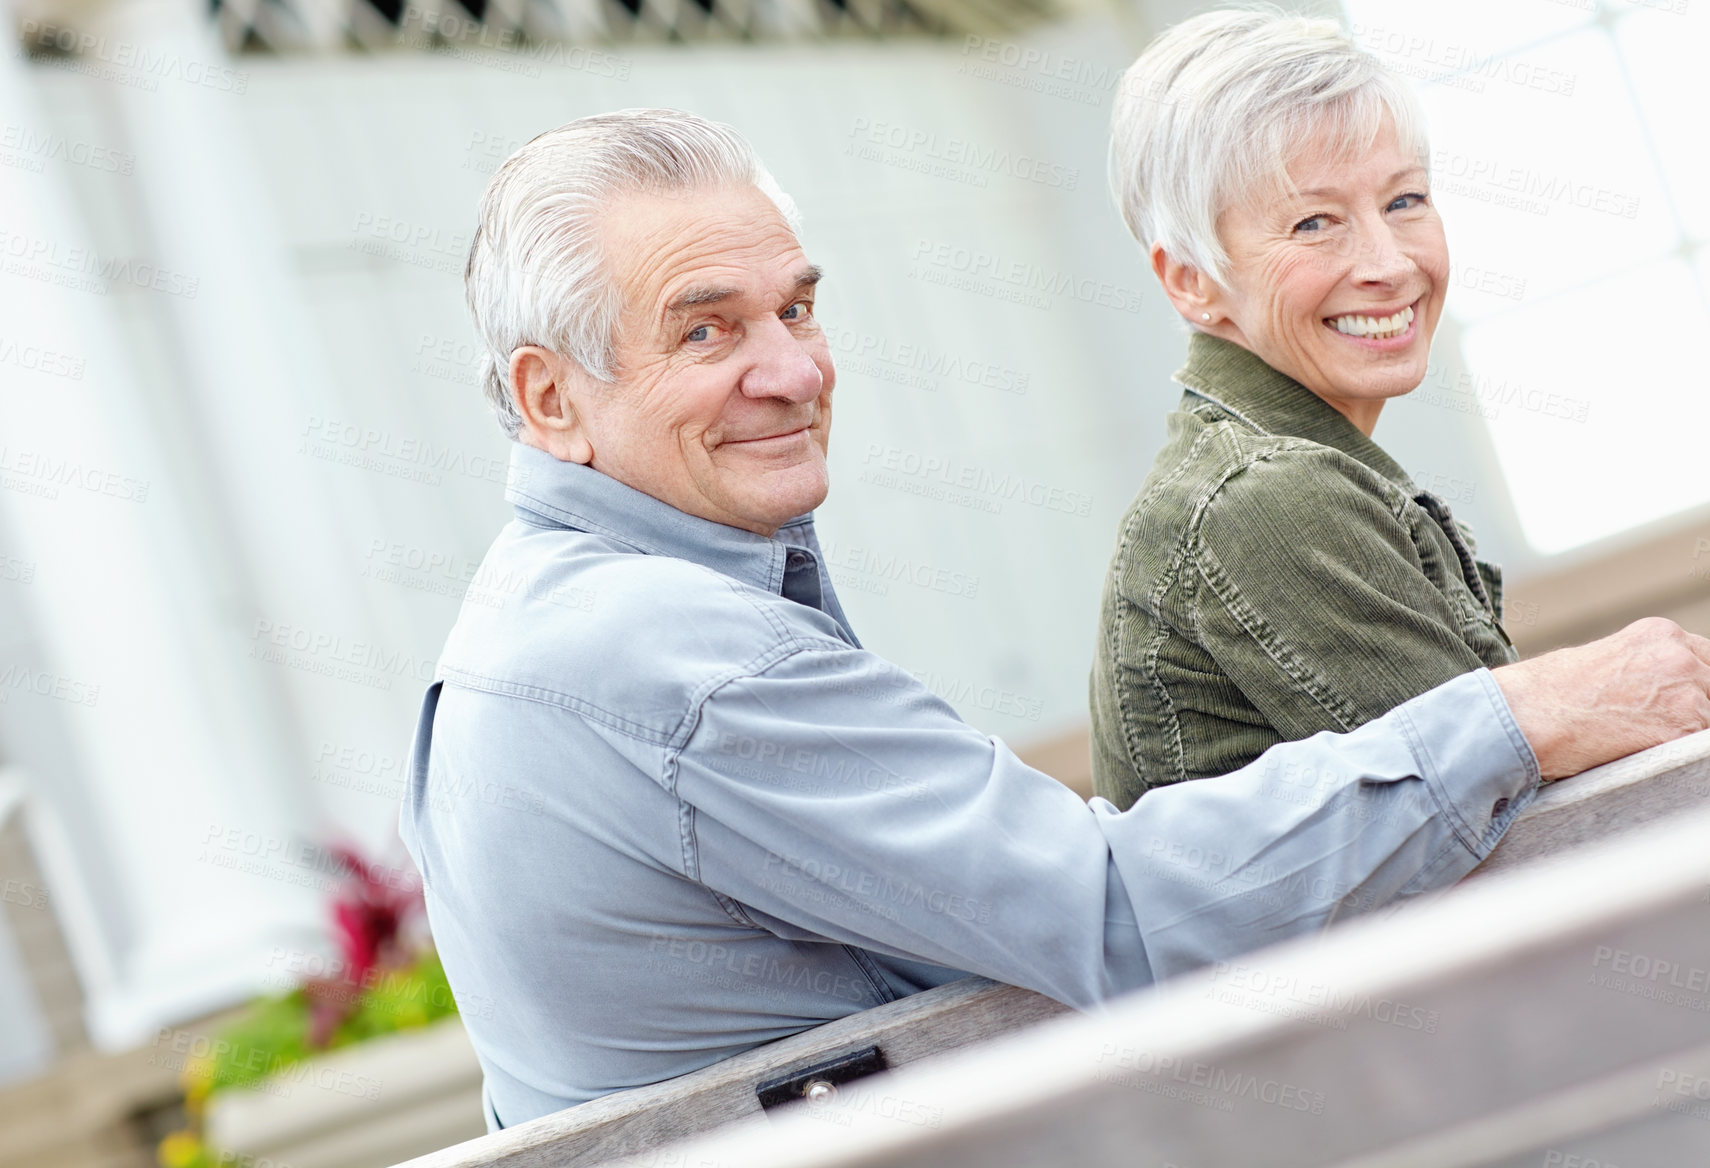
x=1459, y=954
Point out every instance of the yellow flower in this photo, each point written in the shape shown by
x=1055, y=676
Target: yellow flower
x=181, y=1149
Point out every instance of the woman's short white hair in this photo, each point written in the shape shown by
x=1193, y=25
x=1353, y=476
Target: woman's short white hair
x=535, y=274
x=1216, y=109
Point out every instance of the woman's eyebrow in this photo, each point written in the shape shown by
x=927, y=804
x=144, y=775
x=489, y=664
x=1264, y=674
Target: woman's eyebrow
x=1333, y=192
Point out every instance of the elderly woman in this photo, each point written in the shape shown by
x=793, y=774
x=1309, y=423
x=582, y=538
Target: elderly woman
x=1278, y=573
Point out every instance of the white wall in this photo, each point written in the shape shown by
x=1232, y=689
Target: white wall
x=323, y=214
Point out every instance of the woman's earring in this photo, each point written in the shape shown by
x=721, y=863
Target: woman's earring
x=1205, y=316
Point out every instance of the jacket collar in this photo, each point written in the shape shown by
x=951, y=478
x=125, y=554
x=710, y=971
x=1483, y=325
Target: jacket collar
x=568, y=494
x=1239, y=381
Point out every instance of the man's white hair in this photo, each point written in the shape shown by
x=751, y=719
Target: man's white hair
x=1216, y=109
x=535, y=274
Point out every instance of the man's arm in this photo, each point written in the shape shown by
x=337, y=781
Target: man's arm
x=834, y=798
x=866, y=812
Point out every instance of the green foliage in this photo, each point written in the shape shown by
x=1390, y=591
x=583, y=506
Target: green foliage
x=273, y=1033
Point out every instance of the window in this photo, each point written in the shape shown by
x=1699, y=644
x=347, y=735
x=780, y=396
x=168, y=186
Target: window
x=1574, y=188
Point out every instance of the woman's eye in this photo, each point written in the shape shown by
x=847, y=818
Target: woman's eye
x=1313, y=224
x=1408, y=201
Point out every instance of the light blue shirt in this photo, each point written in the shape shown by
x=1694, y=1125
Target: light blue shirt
x=667, y=808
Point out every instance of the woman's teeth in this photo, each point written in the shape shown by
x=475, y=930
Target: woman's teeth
x=1377, y=327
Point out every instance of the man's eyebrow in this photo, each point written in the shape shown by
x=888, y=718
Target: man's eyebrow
x=696, y=297
x=713, y=293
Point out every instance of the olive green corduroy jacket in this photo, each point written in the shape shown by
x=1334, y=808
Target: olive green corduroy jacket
x=1277, y=575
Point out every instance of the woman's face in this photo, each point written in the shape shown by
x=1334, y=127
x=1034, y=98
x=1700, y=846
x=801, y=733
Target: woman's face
x=1340, y=285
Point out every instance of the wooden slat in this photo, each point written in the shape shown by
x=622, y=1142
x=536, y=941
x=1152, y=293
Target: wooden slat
x=1464, y=1031
x=944, y=1019
x=1608, y=801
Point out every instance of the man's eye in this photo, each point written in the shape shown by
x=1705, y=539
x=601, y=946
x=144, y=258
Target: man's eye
x=1313, y=224
x=800, y=310
x=701, y=334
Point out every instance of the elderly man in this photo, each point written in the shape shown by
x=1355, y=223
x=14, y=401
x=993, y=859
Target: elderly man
x=727, y=821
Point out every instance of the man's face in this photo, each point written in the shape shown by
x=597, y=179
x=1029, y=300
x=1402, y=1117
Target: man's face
x=722, y=406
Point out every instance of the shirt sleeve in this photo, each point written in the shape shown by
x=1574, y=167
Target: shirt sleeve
x=833, y=797
x=1311, y=596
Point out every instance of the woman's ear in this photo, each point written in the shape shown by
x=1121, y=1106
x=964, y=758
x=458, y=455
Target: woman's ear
x=1194, y=294
x=549, y=391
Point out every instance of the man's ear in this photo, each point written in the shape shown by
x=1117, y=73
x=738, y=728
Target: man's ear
x=548, y=390
x=1191, y=291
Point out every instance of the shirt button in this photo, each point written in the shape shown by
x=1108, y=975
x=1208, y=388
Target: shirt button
x=796, y=559
x=1497, y=810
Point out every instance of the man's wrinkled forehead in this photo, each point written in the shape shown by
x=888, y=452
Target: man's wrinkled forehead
x=674, y=253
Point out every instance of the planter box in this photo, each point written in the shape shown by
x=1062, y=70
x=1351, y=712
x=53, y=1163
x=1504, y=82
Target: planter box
x=367, y=1105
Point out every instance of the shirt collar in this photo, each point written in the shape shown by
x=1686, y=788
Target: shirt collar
x=1239, y=380
x=569, y=494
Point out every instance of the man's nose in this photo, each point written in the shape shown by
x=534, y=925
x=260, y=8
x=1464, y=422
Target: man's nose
x=781, y=367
